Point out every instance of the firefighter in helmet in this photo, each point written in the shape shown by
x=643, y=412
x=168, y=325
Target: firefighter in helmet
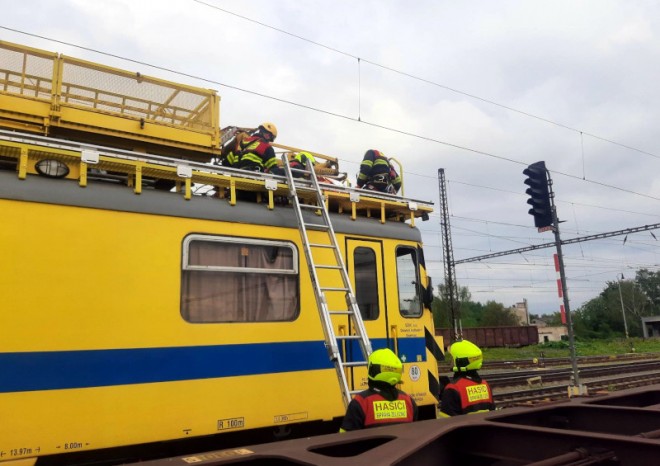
x=382, y=403
x=467, y=392
x=254, y=152
x=378, y=174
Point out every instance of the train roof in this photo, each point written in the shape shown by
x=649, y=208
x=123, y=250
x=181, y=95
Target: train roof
x=107, y=168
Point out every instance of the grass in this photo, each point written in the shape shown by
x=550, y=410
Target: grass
x=560, y=349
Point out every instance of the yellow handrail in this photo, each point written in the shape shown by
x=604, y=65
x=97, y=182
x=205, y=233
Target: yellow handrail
x=400, y=171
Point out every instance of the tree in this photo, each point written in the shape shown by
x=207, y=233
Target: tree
x=552, y=320
x=470, y=312
x=496, y=315
x=440, y=306
x=649, y=284
x=592, y=320
x=602, y=317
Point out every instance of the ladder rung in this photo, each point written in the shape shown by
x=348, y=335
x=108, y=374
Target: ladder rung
x=317, y=245
x=317, y=226
x=309, y=206
x=334, y=289
x=354, y=364
x=341, y=313
x=334, y=267
x=348, y=337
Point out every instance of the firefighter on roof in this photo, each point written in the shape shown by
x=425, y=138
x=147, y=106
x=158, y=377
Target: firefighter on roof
x=467, y=392
x=378, y=174
x=382, y=403
x=254, y=152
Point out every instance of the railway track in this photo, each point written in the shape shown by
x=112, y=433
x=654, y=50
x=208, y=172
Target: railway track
x=533, y=381
x=544, y=376
x=559, y=392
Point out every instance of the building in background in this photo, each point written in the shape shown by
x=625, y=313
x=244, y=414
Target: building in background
x=549, y=333
x=651, y=326
x=521, y=312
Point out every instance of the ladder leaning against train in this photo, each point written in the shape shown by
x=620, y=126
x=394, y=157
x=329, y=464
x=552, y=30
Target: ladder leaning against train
x=336, y=352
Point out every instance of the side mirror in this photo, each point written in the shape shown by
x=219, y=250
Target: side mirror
x=428, y=293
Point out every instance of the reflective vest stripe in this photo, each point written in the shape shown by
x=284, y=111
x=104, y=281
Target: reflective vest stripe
x=475, y=396
x=378, y=411
x=232, y=158
x=253, y=150
x=254, y=158
x=270, y=163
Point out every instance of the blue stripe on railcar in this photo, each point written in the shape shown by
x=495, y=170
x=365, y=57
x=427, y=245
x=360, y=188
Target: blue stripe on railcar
x=53, y=370
x=96, y=368
x=409, y=349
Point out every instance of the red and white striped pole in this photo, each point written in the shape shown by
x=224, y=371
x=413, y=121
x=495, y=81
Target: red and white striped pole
x=560, y=291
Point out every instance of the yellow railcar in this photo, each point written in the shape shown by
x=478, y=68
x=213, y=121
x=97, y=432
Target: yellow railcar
x=137, y=318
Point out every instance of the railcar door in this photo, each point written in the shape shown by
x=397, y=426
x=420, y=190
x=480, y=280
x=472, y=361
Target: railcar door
x=388, y=289
x=364, y=262
x=408, y=324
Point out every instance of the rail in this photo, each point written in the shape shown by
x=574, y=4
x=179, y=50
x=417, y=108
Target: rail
x=510, y=379
x=559, y=392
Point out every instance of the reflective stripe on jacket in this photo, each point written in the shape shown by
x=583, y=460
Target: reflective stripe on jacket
x=379, y=411
x=252, y=152
x=374, y=163
x=466, y=395
x=257, y=154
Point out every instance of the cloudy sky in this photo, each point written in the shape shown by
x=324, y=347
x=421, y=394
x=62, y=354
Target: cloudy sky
x=479, y=88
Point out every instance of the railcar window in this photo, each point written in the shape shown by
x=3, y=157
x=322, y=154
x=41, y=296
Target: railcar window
x=366, y=282
x=238, y=280
x=407, y=272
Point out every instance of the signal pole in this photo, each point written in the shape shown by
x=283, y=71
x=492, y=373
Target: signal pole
x=567, y=308
x=623, y=309
x=544, y=210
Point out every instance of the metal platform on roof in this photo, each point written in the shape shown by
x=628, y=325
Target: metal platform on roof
x=59, y=95
x=88, y=161
x=617, y=429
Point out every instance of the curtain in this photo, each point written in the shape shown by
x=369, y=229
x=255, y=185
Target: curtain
x=236, y=295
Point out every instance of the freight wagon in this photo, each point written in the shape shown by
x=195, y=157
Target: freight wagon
x=493, y=337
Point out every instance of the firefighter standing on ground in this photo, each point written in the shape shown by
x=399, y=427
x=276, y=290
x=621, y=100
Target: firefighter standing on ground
x=382, y=403
x=467, y=392
x=378, y=174
x=254, y=152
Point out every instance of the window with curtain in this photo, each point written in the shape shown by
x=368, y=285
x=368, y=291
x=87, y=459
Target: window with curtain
x=227, y=279
x=407, y=272
x=366, y=282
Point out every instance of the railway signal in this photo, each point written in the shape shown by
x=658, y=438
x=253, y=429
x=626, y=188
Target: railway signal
x=539, y=194
x=545, y=219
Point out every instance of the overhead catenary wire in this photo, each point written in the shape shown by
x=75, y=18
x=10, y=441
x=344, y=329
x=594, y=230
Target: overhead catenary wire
x=427, y=81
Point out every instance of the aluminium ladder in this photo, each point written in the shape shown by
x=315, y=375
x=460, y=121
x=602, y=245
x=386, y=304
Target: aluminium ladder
x=333, y=342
